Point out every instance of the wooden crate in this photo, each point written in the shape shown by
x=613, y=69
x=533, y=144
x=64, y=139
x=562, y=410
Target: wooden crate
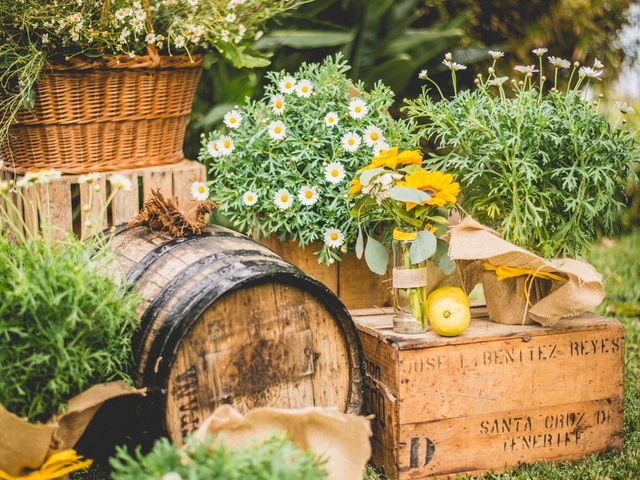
x=493, y=398
x=350, y=279
x=65, y=197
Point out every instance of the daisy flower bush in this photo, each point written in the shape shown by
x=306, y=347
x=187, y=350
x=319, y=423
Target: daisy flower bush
x=281, y=165
x=536, y=160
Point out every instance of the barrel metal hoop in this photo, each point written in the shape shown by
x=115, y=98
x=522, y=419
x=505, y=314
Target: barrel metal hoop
x=170, y=288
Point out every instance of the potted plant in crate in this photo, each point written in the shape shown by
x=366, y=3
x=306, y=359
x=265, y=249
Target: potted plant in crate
x=537, y=162
x=280, y=166
x=107, y=85
x=66, y=329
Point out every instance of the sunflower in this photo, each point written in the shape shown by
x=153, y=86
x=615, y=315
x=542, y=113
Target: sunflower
x=410, y=157
x=441, y=187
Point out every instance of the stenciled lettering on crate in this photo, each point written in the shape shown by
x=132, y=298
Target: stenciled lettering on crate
x=494, y=398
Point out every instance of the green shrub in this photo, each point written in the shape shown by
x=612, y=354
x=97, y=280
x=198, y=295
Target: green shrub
x=275, y=459
x=64, y=325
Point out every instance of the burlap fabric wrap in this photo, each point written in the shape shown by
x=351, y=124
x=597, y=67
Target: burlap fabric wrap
x=341, y=439
x=25, y=446
x=506, y=300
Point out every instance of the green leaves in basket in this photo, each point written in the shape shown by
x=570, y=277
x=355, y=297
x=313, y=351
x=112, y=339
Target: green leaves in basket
x=376, y=256
x=423, y=247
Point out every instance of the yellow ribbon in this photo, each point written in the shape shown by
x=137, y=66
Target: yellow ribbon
x=503, y=272
x=56, y=466
x=409, y=236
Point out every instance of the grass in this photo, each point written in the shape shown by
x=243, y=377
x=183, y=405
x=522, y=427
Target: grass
x=619, y=262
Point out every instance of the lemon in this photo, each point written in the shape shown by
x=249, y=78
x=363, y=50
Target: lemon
x=448, y=311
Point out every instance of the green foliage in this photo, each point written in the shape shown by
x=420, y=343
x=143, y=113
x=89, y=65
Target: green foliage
x=34, y=32
x=64, y=325
x=545, y=169
x=262, y=165
x=275, y=459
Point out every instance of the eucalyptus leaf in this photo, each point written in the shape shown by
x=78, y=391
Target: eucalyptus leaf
x=359, y=244
x=376, y=256
x=442, y=258
x=368, y=175
x=407, y=194
x=423, y=247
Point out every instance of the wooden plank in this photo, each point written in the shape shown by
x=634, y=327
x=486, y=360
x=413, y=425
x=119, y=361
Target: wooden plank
x=157, y=179
x=480, y=330
x=57, y=206
x=124, y=205
x=501, y=375
x=358, y=287
x=483, y=442
x=95, y=201
x=184, y=174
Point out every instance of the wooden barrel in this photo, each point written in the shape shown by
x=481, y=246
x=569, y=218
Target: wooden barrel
x=224, y=320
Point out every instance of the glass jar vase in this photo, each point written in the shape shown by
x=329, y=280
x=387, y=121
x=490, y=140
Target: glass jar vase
x=409, y=287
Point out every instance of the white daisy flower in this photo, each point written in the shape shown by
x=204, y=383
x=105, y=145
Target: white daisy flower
x=559, y=62
x=423, y=75
x=496, y=54
x=350, y=141
x=304, y=88
x=526, y=69
x=277, y=104
x=120, y=182
x=89, y=178
x=233, y=119
x=331, y=119
x=27, y=179
x=225, y=145
x=498, y=81
x=213, y=147
x=454, y=66
x=308, y=195
x=379, y=147
x=277, y=130
x=625, y=108
x=249, y=198
x=333, y=238
x=334, y=172
x=357, y=108
x=46, y=176
x=448, y=56
x=171, y=476
x=283, y=199
x=598, y=64
x=199, y=191
x=287, y=84
x=590, y=72
x=372, y=135
x=539, y=51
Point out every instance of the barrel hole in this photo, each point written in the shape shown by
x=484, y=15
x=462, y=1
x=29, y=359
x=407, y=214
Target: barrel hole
x=140, y=192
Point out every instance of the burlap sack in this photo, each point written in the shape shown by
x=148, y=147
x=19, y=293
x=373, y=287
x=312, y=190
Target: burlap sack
x=506, y=302
x=25, y=446
x=341, y=439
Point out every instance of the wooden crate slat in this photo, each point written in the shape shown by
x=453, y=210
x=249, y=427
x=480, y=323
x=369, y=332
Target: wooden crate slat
x=95, y=219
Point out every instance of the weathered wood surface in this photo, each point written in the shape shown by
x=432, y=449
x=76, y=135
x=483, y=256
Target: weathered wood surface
x=226, y=321
x=65, y=197
x=494, y=397
x=350, y=279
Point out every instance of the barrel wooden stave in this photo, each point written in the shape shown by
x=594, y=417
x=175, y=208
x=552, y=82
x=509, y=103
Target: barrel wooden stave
x=224, y=320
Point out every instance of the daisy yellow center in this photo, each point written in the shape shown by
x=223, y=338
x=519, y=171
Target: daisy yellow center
x=374, y=136
x=331, y=119
x=333, y=236
x=351, y=141
x=335, y=172
x=308, y=194
x=201, y=189
x=305, y=89
x=227, y=144
x=250, y=198
x=288, y=85
x=233, y=120
x=284, y=197
x=277, y=130
x=278, y=103
x=357, y=109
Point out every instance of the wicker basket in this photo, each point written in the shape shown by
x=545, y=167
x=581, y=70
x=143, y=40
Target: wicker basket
x=112, y=114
